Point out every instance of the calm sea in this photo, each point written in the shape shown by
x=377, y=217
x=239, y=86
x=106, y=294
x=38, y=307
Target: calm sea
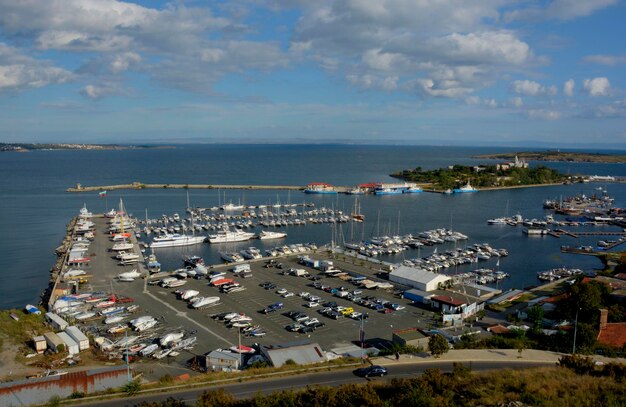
x=34, y=207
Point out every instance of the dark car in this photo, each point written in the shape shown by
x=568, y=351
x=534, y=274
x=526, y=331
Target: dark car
x=371, y=371
x=273, y=307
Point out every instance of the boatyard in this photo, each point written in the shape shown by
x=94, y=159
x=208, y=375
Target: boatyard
x=312, y=293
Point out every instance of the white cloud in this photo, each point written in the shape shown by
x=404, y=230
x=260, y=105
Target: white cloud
x=568, y=88
x=95, y=92
x=122, y=62
x=543, y=114
x=610, y=60
x=532, y=88
x=516, y=101
x=597, y=86
x=19, y=71
x=451, y=42
x=559, y=10
x=127, y=36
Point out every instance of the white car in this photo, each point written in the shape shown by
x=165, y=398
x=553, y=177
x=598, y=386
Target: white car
x=313, y=304
x=355, y=315
x=315, y=298
x=304, y=294
x=287, y=295
x=281, y=291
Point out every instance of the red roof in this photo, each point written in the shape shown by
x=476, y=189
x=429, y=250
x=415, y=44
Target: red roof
x=448, y=300
x=369, y=185
x=613, y=335
x=498, y=329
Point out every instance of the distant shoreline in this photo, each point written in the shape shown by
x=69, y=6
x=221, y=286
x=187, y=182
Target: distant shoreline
x=558, y=156
x=27, y=147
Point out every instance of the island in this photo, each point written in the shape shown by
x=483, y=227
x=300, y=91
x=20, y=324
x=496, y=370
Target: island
x=26, y=147
x=505, y=175
x=557, y=155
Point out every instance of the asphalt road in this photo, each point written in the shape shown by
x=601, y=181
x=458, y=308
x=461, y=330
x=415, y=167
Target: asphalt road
x=333, y=378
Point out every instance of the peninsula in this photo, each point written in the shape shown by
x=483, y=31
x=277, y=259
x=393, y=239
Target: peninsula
x=483, y=176
x=556, y=155
x=26, y=147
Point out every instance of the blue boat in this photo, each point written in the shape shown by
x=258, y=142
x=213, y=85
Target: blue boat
x=466, y=188
x=31, y=309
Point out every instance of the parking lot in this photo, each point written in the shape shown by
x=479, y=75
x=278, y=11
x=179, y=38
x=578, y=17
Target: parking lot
x=255, y=298
x=176, y=315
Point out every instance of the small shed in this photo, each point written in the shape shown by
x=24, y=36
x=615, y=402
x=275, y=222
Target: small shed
x=417, y=296
x=53, y=341
x=70, y=344
x=78, y=336
x=410, y=336
x=40, y=344
x=219, y=360
x=301, y=353
x=56, y=321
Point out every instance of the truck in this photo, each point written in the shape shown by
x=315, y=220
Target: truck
x=240, y=268
x=298, y=272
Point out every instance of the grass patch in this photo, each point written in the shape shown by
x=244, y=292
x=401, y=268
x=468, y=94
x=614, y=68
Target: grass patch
x=21, y=332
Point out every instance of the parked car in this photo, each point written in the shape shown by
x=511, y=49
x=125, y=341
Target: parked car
x=273, y=307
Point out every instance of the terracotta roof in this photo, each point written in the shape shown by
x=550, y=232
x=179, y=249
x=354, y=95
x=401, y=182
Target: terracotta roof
x=448, y=300
x=621, y=276
x=613, y=335
x=369, y=185
x=498, y=329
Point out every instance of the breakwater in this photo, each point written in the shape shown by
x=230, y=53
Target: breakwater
x=140, y=185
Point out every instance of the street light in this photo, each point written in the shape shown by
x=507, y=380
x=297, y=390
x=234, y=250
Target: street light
x=575, y=329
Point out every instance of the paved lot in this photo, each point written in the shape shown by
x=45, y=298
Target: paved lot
x=175, y=314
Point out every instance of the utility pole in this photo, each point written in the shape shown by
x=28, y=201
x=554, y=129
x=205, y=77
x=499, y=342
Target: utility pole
x=575, y=329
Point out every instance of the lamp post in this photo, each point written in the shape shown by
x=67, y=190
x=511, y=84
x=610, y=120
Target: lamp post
x=575, y=329
x=240, y=354
x=362, y=338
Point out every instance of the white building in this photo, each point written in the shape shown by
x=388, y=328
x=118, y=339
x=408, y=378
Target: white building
x=417, y=278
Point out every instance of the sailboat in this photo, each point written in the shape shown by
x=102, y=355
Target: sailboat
x=356, y=215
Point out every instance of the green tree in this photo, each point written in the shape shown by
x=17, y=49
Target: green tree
x=535, y=315
x=438, y=345
x=216, y=398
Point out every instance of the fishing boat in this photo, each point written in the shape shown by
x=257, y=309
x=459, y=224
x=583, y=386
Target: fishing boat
x=122, y=245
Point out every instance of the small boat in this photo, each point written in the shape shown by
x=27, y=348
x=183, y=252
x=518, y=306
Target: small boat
x=117, y=329
x=171, y=337
x=267, y=235
x=132, y=308
x=177, y=283
x=112, y=311
x=242, y=349
x=31, y=309
x=188, y=294
x=133, y=274
x=85, y=315
x=149, y=350
x=114, y=319
x=204, y=302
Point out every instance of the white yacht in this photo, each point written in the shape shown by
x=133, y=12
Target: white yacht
x=172, y=240
x=251, y=253
x=225, y=236
x=123, y=245
x=267, y=235
x=231, y=257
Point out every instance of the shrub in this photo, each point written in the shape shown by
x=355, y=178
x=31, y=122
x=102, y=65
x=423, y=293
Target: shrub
x=131, y=387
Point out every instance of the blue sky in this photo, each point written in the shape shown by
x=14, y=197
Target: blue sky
x=489, y=72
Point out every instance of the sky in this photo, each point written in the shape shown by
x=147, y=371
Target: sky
x=448, y=72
